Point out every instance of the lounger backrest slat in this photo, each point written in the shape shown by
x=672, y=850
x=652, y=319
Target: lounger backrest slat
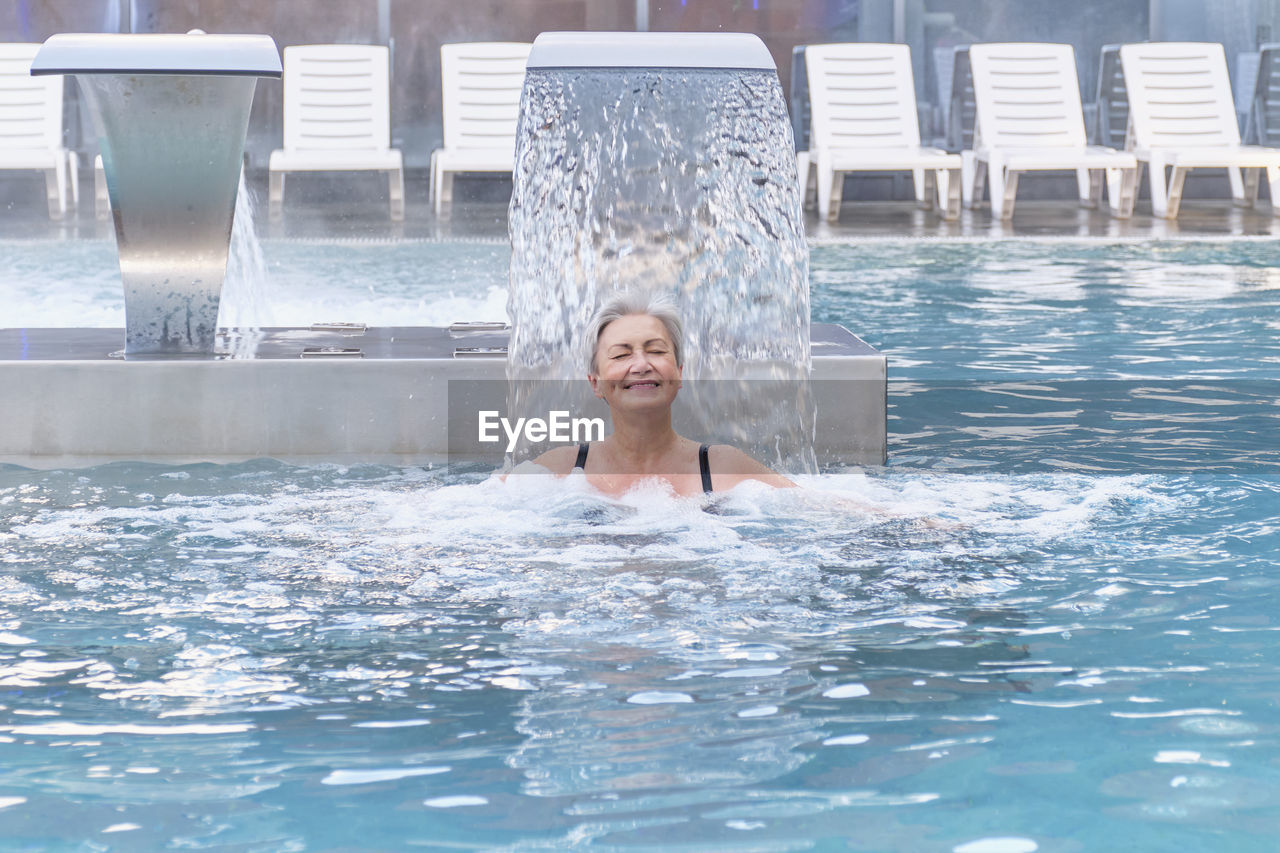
x=1028, y=95
x=862, y=96
x=1179, y=95
x=481, y=83
x=337, y=96
x=30, y=107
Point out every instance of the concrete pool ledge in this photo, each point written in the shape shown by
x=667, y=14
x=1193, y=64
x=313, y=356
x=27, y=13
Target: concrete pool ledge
x=72, y=403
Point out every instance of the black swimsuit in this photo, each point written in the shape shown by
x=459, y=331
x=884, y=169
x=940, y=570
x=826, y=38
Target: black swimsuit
x=704, y=464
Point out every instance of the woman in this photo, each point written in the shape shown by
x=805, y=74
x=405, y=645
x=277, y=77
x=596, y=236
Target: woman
x=635, y=367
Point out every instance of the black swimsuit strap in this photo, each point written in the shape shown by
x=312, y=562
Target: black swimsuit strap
x=582, y=457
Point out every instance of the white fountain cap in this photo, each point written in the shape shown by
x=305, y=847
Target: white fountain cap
x=650, y=50
x=158, y=53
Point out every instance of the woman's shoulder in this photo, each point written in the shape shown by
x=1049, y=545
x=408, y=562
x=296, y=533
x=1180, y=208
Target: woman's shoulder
x=729, y=463
x=559, y=460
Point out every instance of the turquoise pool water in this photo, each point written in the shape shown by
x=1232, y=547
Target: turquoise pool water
x=1048, y=624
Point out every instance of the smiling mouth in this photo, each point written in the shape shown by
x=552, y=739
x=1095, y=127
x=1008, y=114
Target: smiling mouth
x=648, y=383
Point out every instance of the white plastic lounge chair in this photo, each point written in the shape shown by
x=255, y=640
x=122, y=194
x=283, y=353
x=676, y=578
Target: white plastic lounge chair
x=31, y=126
x=961, y=113
x=1263, y=127
x=1029, y=119
x=1112, y=101
x=337, y=117
x=798, y=103
x=863, y=108
x=1181, y=117
x=480, y=85
x=1244, y=82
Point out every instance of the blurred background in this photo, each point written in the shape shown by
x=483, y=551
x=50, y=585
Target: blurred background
x=415, y=29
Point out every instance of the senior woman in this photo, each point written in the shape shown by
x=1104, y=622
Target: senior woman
x=635, y=367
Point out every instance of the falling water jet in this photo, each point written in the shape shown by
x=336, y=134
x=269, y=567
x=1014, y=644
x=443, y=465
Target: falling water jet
x=664, y=162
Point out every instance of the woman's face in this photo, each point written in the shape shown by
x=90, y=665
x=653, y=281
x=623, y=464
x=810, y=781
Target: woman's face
x=635, y=363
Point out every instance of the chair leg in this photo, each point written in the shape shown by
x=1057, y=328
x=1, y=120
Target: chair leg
x=1004, y=188
x=970, y=186
x=1273, y=181
x=444, y=189
x=1121, y=191
x=1093, y=188
x=830, y=187
x=978, y=183
x=810, y=185
x=434, y=181
x=101, y=202
x=1238, y=196
x=1159, y=189
x=802, y=176
x=1088, y=186
x=275, y=194
x=55, y=186
x=949, y=183
x=395, y=188
x=924, y=181
x=73, y=177
x=1252, y=177
x=1176, y=181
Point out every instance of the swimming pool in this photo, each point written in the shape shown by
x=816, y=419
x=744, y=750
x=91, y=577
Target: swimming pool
x=1052, y=628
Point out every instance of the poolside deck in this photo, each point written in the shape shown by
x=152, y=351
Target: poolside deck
x=355, y=208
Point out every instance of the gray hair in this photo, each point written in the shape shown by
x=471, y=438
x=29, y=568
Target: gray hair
x=659, y=305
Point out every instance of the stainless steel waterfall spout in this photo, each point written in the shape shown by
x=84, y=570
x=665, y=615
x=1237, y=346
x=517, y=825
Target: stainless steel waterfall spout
x=171, y=112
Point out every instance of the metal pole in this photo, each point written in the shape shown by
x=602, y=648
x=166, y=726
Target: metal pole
x=384, y=21
x=642, y=16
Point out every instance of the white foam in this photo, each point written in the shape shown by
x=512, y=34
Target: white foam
x=846, y=740
x=659, y=697
x=998, y=844
x=455, y=801
x=383, y=774
x=847, y=691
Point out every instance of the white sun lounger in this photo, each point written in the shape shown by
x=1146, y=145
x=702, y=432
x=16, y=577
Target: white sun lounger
x=480, y=87
x=1112, y=101
x=1029, y=119
x=31, y=126
x=863, y=110
x=1182, y=117
x=1263, y=127
x=337, y=117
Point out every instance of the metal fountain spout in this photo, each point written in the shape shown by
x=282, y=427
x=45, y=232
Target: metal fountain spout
x=171, y=112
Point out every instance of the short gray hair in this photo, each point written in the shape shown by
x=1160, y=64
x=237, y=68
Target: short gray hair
x=659, y=305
